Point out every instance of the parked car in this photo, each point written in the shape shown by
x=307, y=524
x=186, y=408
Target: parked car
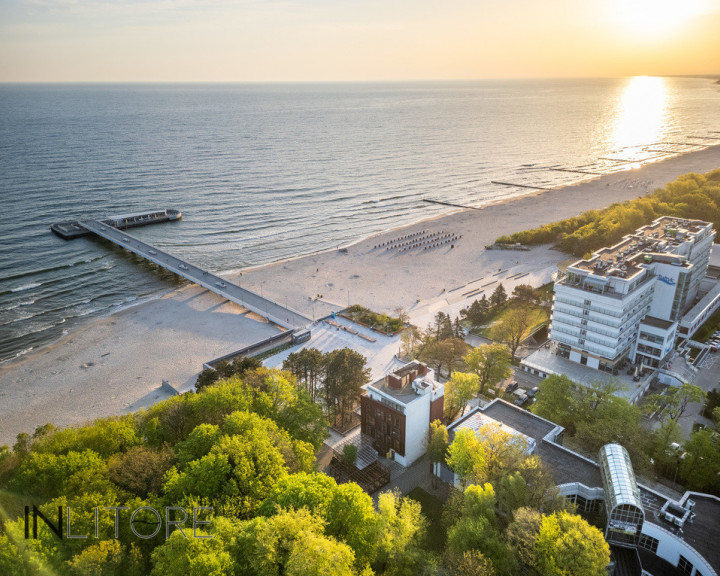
x=531, y=393
x=221, y=284
x=182, y=267
x=521, y=400
x=512, y=386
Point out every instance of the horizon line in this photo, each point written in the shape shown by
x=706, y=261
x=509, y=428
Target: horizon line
x=707, y=76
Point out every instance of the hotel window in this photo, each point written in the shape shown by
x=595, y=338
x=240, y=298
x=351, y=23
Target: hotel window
x=685, y=566
x=397, y=422
x=648, y=542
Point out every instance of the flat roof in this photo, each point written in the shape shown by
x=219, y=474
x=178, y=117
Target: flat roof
x=696, y=311
x=476, y=419
x=566, y=466
x=406, y=393
x=548, y=362
x=657, y=322
x=628, y=257
x=519, y=419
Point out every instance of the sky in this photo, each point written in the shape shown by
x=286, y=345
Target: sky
x=353, y=40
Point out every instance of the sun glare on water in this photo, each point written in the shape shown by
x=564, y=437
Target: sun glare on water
x=648, y=18
x=641, y=114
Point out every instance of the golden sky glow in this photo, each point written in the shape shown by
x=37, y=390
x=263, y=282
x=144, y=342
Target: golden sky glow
x=336, y=40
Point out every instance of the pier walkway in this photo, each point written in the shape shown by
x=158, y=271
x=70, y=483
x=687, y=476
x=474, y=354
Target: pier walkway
x=280, y=315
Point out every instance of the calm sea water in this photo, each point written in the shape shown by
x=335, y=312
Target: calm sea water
x=265, y=172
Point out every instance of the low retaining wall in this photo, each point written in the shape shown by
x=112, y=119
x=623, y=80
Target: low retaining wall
x=252, y=349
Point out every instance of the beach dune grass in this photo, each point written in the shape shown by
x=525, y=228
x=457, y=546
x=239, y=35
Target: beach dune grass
x=694, y=196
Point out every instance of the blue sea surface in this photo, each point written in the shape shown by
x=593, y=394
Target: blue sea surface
x=266, y=172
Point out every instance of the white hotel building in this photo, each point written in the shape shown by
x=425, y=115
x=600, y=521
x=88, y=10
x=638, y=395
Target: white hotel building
x=626, y=301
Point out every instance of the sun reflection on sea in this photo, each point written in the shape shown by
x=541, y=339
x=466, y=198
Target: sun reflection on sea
x=641, y=116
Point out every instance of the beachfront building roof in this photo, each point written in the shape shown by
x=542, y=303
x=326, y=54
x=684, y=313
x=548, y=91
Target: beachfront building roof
x=396, y=411
x=625, y=301
x=663, y=533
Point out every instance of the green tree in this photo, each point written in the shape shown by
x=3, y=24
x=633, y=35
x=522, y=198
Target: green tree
x=292, y=543
x=712, y=401
x=676, y=401
x=459, y=390
x=513, y=327
x=556, y=400
x=521, y=535
x=700, y=465
x=274, y=394
x=466, y=456
x=308, y=367
x=351, y=518
x=105, y=437
x=107, y=558
x=442, y=327
x=498, y=297
x=49, y=476
x=477, y=529
x=302, y=490
x=660, y=448
x=568, y=546
x=238, y=473
x=437, y=448
x=345, y=374
x=198, y=443
x=443, y=355
x=477, y=313
x=401, y=527
x=141, y=470
x=410, y=338
x=470, y=563
x=491, y=363
x=224, y=370
x=350, y=454
x=198, y=556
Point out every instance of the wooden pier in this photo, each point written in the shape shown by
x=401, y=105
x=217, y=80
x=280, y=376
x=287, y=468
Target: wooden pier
x=274, y=312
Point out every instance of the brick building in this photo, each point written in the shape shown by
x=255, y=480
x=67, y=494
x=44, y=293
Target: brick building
x=396, y=411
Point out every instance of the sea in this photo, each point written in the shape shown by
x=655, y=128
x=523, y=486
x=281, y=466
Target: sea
x=263, y=172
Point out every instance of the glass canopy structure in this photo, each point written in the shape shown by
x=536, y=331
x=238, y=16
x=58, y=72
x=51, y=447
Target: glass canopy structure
x=625, y=514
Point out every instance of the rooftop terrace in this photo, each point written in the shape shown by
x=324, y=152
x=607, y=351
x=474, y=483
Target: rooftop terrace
x=407, y=382
x=654, y=242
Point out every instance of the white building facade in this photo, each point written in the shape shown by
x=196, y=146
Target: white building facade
x=396, y=411
x=625, y=301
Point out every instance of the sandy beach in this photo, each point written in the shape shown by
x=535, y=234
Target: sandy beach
x=116, y=364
